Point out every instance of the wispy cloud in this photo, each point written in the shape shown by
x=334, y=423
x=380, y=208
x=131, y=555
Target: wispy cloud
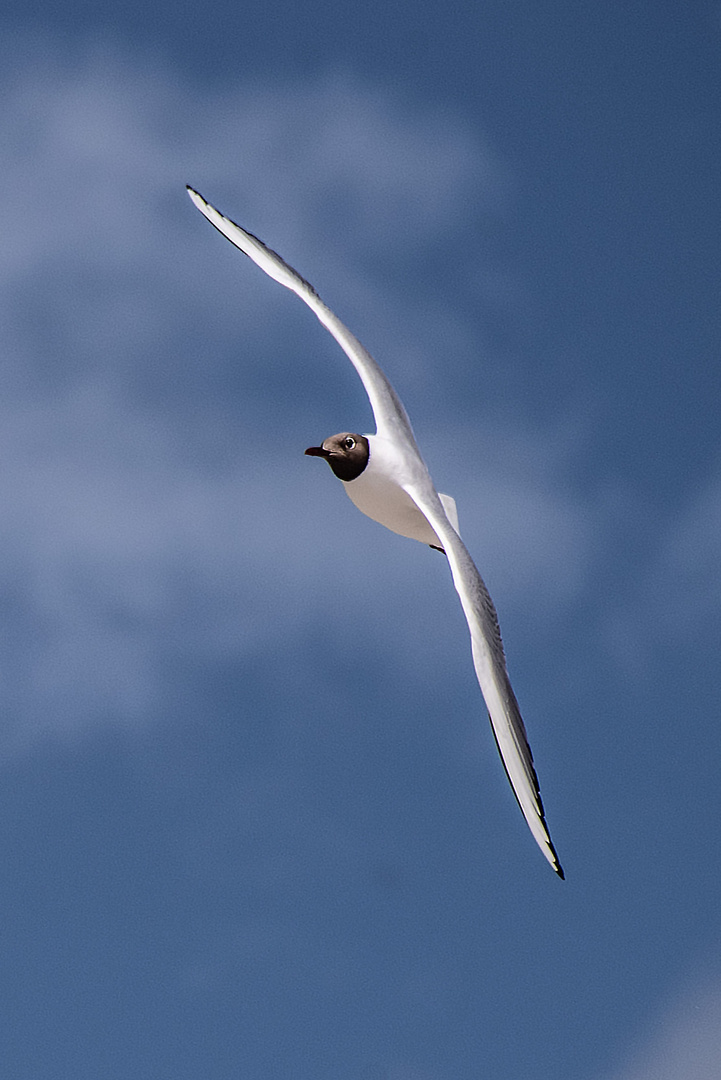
x=675, y=601
x=685, y=1042
x=139, y=522
x=690, y=557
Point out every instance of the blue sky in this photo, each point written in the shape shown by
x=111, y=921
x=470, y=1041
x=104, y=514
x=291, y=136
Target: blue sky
x=252, y=820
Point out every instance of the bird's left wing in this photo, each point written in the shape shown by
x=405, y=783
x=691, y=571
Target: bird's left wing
x=490, y=663
x=390, y=415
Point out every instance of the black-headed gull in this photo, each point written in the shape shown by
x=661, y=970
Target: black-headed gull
x=387, y=479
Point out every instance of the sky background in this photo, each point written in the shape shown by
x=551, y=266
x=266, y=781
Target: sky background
x=252, y=820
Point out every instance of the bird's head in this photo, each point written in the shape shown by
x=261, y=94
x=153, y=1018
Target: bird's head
x=347, y=454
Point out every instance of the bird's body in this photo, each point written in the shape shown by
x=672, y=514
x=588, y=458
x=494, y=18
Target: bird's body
x=379, y=494
x=387, y=479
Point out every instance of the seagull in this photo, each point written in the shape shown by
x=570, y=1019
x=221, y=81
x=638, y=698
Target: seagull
x=387, y=479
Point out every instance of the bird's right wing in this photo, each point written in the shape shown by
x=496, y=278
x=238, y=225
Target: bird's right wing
x=490, y=663
x=390, y=415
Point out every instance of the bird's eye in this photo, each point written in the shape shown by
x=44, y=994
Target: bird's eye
x=348, y=443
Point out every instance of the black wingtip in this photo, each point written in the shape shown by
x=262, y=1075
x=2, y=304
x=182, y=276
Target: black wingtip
x=555, y=864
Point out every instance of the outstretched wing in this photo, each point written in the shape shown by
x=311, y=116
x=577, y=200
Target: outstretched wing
x=390, y=416
x=490, y=663
x=392, y=422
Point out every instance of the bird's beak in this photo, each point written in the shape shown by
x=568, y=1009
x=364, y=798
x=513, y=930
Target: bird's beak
x=318, y=451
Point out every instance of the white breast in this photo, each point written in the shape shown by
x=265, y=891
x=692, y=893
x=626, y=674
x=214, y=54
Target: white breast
x=377, y=494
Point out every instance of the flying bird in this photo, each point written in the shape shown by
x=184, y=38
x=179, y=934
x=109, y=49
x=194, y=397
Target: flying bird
x=387, y=479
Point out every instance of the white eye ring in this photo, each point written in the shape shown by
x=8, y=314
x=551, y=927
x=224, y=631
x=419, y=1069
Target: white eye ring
x=348, y=443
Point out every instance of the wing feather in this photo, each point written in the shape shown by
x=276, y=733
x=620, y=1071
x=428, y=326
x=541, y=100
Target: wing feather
x=390, y=415
x=489, y=661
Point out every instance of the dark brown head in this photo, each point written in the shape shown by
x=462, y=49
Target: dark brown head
x=346, y=453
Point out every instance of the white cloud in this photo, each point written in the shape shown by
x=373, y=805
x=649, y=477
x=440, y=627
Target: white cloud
x=677, y=599
x=685, y=1043
x=690, y=557
x=137, y=522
